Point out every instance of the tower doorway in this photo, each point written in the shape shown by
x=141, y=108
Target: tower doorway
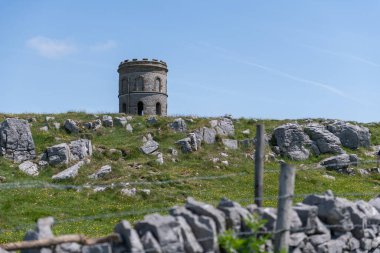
x=140, y=108
x=158, y=109
x=124, y=108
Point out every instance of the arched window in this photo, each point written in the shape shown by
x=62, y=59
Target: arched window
x=158, y=109
x=140, y=108
x=139, y=84
x=157, y=84
x=124, y=108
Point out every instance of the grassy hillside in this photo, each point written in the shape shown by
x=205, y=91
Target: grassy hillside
x=96, y=213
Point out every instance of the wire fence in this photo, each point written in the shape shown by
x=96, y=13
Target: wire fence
x=129, y=213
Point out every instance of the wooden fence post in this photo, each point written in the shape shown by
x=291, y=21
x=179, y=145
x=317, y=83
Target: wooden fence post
x=285, y=199
x=259, y=164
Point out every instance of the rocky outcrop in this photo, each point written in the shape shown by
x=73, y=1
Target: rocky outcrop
x=178, y=125
x=351, y=136
x=223, y=127
x=149, y=147
x=107, y=121
x=337, y=162
x=16, y=142
x=120, y=121
x=58, y=154
x=206, y=135
x=292, y=141
x=189, y=144
x=324, y=140
x=103, y=171
x=230, y=144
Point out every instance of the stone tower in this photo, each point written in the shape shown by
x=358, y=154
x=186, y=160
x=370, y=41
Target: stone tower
x=143, y=87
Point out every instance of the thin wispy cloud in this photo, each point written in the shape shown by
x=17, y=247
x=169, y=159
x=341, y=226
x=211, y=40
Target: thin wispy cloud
x=238, y=59
x=104, y=46
x=344, y=55
x=50, y=48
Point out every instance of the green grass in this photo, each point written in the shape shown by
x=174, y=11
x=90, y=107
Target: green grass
x=21, y=207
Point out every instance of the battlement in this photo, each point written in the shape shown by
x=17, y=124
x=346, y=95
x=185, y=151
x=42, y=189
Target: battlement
x=143, y=62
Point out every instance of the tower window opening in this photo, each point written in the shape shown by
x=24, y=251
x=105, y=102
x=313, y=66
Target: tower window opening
x=158, y=109
x=139, y=84
x=124, y=108
x=157, y=84
x=140, y=108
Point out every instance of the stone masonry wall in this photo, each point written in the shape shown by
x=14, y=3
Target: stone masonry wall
x=321, y=223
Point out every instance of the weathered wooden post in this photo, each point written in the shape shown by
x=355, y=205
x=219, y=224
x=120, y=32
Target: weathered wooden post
x=259, y=164
x=285, y=198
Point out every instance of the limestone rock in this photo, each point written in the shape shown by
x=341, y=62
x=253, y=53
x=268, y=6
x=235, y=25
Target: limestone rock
x=207, y=135
x=43, y=230
x=68, y=248
x=152, y=120
x=129, y=192
x=69, y=173
x=292, y=141
x=179, y=125
x=149, y=147
x=165, y=229
x=44, y=129
x=58, y=154
x=16, y=142
x=150, y=243
x=189, y=144
x=326, y=141
x=71, y=126
x=129, y=128
x=97, y=248
x=120, y=121
x=209, y=211
x=203, y=227
x=129, y=236
x=336, y=162
x=29, y=168
x=107, y=121
x=236, y=215
x=190, y=242
x=160, y=159
x=80, y=149
x=246, y=132
x=104, y=170
x=57, y=125
x=223, y=127
x=351, y=136
x=231, y=144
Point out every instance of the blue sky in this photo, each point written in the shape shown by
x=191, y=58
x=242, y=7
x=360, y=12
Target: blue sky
x=261, y=59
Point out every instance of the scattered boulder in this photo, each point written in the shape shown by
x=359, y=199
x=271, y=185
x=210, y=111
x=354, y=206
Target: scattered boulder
x=336, y=162
x=179, y=125
x=129, y=192
x=57, y=125
x=121, y=121
x=29, y=168
x=49, y=118
x=292, y=141
x=246, y=132
x=93, y=125
x=71, y=126
x=351, y=136
x=189, y=144
x=103, y=171
x=107, y=121
x=231, y=144
x=129, y=128
x=149, y=147
x=44, y=129
x=58, y=154
x=160, y=159
x=325, y=141
x=69, y=173
x=16, y=142
x=80, y=149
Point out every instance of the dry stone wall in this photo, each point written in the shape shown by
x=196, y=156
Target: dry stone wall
x=320, y=223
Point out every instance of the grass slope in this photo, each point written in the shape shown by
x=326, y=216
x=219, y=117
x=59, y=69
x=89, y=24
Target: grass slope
x=96, y=214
